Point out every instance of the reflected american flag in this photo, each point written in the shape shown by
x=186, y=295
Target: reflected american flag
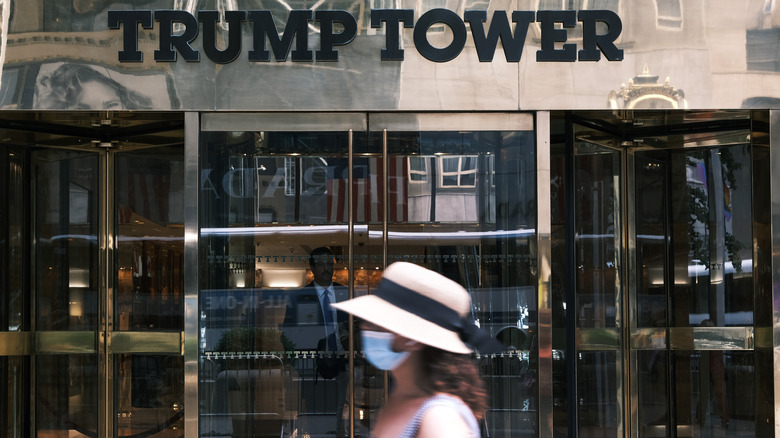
x=368, y=192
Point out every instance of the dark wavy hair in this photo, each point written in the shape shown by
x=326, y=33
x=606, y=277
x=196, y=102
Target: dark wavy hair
x=455, y=374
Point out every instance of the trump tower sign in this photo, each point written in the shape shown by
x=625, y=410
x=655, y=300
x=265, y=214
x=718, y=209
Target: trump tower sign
x=178, y=29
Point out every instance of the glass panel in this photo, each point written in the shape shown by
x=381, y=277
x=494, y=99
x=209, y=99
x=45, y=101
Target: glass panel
x=66, y=233
x=14, y=408
x=711, y=281
x=597, y=226
x=762, y=237
x=653, y=381
x=597, y=394
x=149, y=389
x=150, y=239
x=652, y=218
x=66, y=396
x=148, y=395
x=585, y=284
x=711, y=244
x=558, y=289
x=14, y=303
x=597, y=290
x=710, y=392
x=369, y=383
x=463, y=204
x=764, y=393
x=274, y=210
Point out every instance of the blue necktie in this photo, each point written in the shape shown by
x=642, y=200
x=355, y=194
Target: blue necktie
x=328, y=310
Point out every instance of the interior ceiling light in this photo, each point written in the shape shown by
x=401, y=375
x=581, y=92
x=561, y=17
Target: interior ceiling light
x=105, y=144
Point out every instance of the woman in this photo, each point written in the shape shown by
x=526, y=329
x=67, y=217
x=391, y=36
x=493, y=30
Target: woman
x=82, y=87
x=414, y=325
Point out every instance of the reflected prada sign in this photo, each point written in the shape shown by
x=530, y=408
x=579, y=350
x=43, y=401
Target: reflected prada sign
x=554, y=27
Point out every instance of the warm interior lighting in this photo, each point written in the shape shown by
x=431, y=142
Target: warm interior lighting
x=284, y=277
x=78, y=277
x=76, y=303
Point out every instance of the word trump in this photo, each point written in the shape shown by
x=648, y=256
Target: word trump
x=554, y=27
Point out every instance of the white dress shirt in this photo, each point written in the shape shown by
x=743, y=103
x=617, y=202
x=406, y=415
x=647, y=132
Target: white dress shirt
x=332, y=328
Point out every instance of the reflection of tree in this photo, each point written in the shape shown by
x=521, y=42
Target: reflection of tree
x=702, y=215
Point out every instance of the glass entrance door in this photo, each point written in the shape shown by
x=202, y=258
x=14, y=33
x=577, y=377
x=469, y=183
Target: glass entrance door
x=294, y=205
x=280, y=231
x=670, y=287
x=466, y=191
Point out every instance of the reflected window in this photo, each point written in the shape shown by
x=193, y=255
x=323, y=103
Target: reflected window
x=460, y=171
x=669, y=14
x=418, y=169
x=427, y=5
x=575, y=33
x=763, y=49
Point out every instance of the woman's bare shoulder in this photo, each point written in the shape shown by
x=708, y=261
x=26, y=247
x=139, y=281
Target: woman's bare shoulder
x=444, y=420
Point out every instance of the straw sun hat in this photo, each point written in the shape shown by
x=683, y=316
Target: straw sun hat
x=422, y=305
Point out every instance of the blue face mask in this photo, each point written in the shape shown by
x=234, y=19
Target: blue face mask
x=379, y=351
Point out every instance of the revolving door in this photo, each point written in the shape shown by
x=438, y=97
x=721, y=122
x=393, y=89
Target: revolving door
x=664, y=239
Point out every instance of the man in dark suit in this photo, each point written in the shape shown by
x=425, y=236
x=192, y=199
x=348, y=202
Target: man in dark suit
x=311, y=315
x=334, y=322
x=309, y=308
